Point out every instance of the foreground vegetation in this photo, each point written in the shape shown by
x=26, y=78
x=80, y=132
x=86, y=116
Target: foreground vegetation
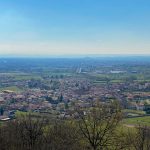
x=98, y=129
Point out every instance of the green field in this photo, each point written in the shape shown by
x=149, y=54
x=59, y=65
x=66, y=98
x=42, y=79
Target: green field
x=138, y=112
x=137, y=120
x=26, y=77
x=11, y=88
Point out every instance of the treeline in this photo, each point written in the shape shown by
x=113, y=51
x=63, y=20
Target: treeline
x=99, y=128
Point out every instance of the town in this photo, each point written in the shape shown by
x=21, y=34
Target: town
x=58, y=87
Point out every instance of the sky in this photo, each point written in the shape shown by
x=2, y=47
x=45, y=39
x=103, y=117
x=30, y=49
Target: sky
x=69, y=27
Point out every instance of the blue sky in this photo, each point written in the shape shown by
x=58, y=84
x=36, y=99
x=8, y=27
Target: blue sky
x=55, y=27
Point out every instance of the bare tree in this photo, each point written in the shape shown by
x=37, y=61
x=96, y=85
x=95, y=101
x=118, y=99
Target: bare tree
x=31, y=131
x=25, y=133
x=140, y=138
x=3, y=144
x=63, y=135
x=122, y=139
x=99, y=125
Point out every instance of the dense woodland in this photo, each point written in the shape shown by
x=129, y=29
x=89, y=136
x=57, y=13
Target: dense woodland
x=99, y=129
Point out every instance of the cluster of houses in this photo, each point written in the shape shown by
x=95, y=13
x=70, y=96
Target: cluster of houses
x=71, y=94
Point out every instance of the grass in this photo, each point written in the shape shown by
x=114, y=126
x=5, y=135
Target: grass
x=11, y=88
x=99, y=82
x=139, y=112
x=117, y=81
x=137, y=120
x=26, y=77
x=20, y=113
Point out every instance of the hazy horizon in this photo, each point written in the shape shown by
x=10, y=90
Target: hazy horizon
x=79, y=56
